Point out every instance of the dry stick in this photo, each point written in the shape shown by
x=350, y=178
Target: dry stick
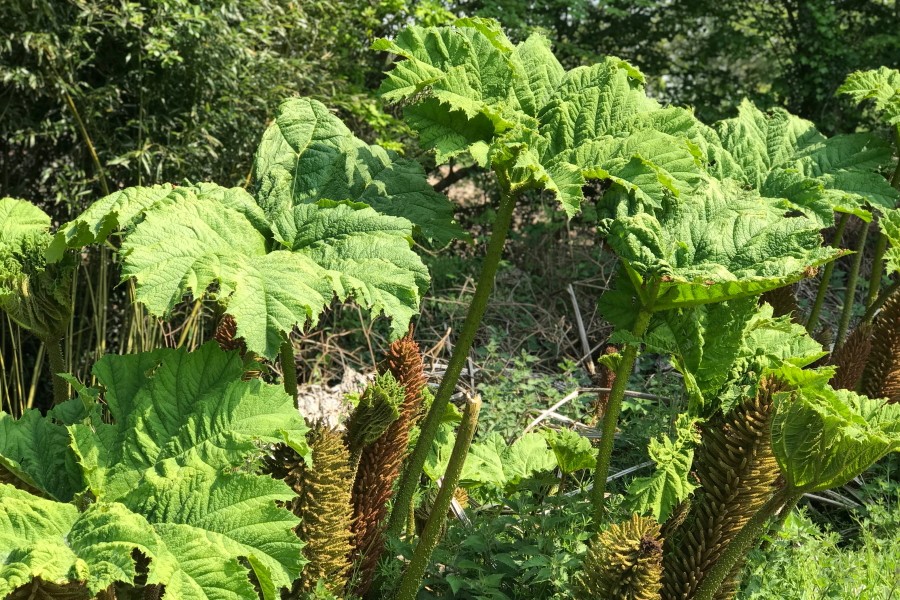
x=850, y=292
x=413, y=469
x=614, y=404
x=412, y=578
x=826, y=277
x=582, y=333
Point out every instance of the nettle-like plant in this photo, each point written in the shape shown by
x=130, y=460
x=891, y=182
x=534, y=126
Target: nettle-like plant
x=35, y=294
x=703, y=220
x=166, y=495
x=153, y=480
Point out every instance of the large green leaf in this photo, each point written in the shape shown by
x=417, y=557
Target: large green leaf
x=33, y=540
x=36, y=295
x=195, y=527
x=890, y=227
x=20, y=220
x=187, y=247
x=217, y=241
x=469, y=89
x=33, y=450
x=122, y=210
x=209, y=519
x=173, y=477
x=658, y=494
x=783, y=156
x=719, y=244
x=193, y=408
x=369, y=253
x=308, y=154
x=881, y=85
x=822, y=437
x=703, y=343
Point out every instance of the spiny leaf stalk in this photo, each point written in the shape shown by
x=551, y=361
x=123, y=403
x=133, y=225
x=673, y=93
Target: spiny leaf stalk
x=614, y=403
x=412, y=577
x=413, y=469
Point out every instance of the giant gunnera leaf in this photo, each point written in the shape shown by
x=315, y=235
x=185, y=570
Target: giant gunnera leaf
x=721, y=243
x=467, y=89
x=783, y=156
x=882, y=85
x=36, y=295
x=823, y=437
x=172, y=477
x=307, y=154
x=270, y=272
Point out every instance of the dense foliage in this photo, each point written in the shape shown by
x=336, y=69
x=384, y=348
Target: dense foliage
x=182, y=472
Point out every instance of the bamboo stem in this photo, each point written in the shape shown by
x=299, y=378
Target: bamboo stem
x=826, y=276
x=87, y=141
x=614, y=405
x=413, y=469
x=412, y=578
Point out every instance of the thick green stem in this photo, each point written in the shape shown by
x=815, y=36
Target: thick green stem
x=289, y=370
x=879, y=302
x=412, y=578
x=826, y=277
x=743, y=541
x=413, y=469
x=776, y=526
x=57, y=366
x=850, y=293
x=614, y=406
x=895, y=178
x=877, y=269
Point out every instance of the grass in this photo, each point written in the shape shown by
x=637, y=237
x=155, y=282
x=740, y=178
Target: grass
x=806, y=561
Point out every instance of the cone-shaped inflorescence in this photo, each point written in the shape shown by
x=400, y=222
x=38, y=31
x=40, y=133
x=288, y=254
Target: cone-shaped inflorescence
x=882, y=375
x=323, y=505
x=851, y=358
x=378, y=407
x=226, y=335
x=738, y=474
x=380, y=462
x=783, y=301
x=624, y=562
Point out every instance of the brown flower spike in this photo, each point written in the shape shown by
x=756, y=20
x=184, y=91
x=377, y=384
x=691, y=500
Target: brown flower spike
x=380, y=462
